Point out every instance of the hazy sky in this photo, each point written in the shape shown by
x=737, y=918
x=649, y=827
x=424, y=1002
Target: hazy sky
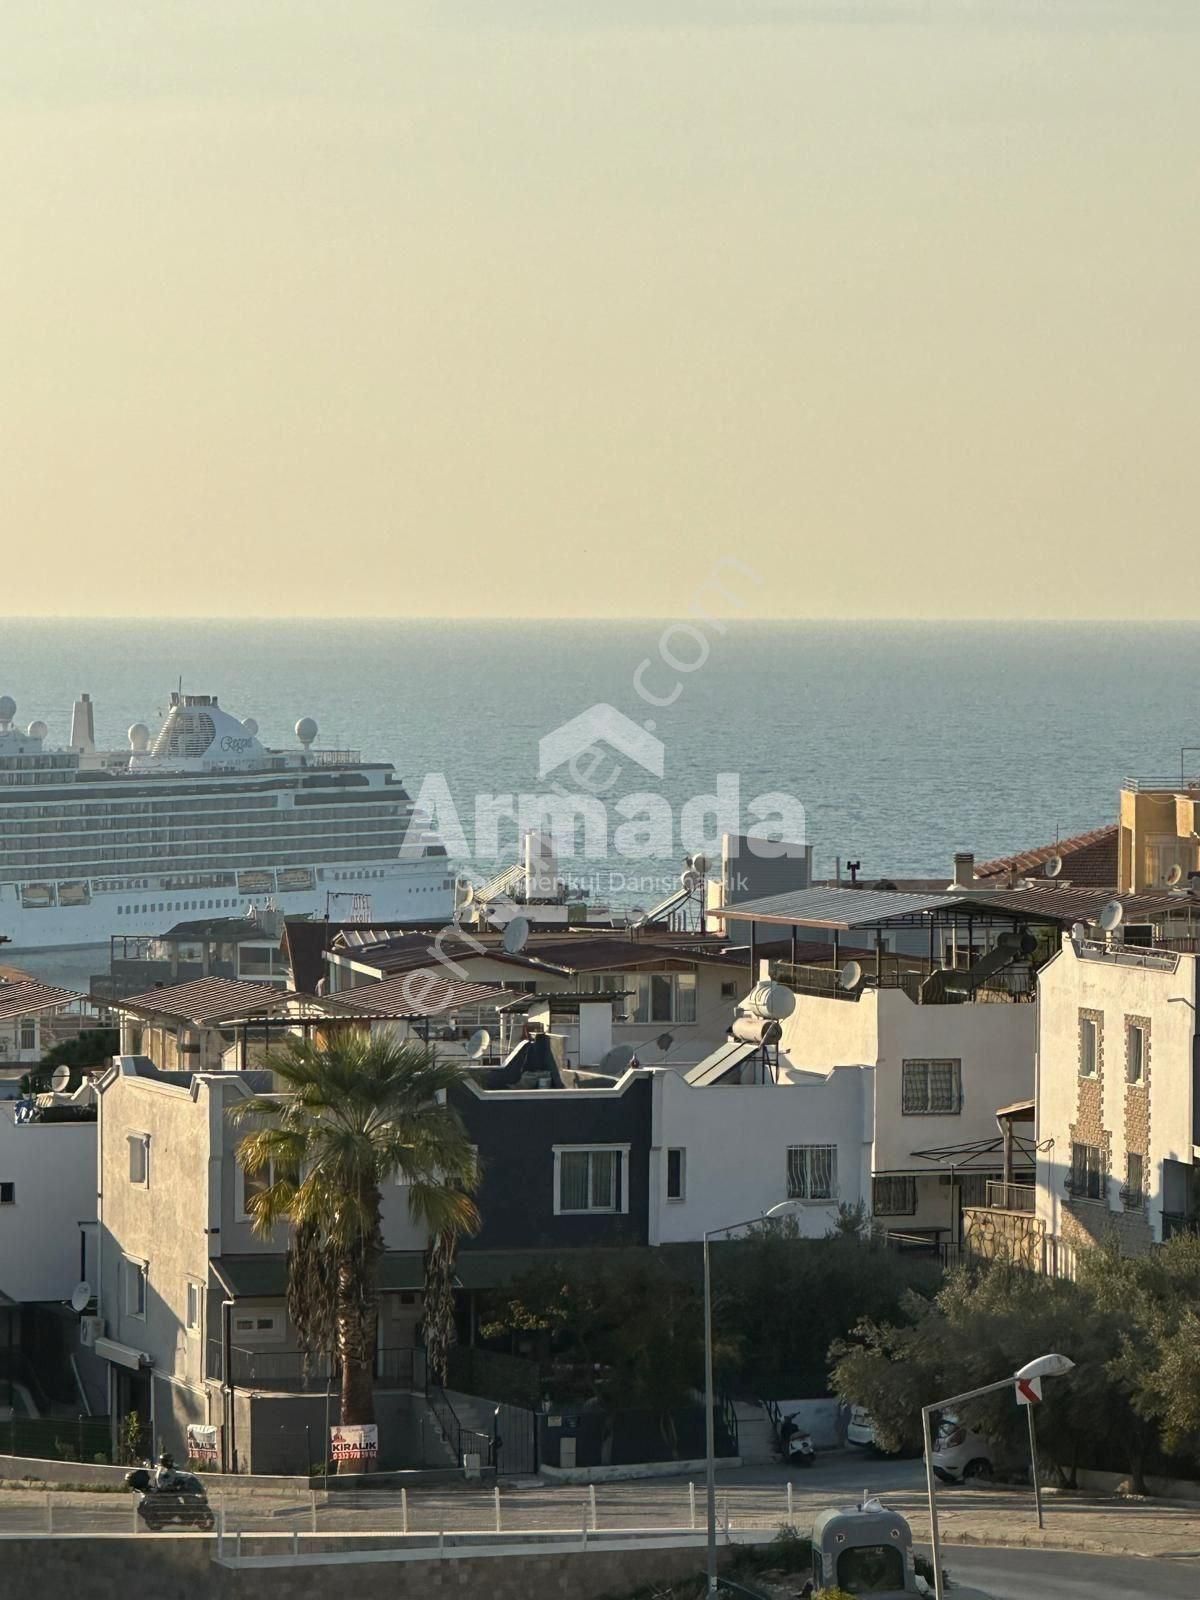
x=546, y=306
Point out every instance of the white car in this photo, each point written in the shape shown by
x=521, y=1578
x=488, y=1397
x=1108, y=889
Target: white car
x=860, y=1430
x=960, y=1455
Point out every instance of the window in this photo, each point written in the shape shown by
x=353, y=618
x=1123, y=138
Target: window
x=1088, y=1047
x=812, y=1172
x=8, y=1194
x=931, y=1089
x=591, y=1179
x=895, y=1197
x=134, y=1273
x=28, y=1034
x=676, y=1173
x=194, y=1305
x=665, y=997
x=1135, y=1171
x=252, y=1184
x=1087, y=1180
x=1135, y=1051
x=139, y=1159
x=729, y=991
x=257, y=1325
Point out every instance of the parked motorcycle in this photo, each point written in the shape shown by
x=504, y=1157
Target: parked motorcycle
x=795, y=1445
x=169, y=1498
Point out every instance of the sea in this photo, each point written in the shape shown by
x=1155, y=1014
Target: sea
x=902, y=742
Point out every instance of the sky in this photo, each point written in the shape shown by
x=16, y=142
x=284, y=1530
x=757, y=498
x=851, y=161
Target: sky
x=551, y=307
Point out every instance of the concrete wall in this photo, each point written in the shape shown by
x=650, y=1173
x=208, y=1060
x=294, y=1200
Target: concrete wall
x=172, y=1568
x=736, y=1139
x=1103, y=1110
x=53, y=1168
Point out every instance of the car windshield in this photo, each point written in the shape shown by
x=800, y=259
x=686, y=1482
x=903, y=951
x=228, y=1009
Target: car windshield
x=871, y=1569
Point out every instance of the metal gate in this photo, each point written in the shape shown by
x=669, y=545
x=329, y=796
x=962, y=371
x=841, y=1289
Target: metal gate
x=517, y=1442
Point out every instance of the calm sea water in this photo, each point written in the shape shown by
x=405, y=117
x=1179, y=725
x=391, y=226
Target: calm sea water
x=904, y=742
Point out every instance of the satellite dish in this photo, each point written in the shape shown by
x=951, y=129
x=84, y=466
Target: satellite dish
x=1053, y=867
x=516, y=935
x=37, y=730
x=479, y=1044
x=690, y=880
x=700, y=864
x=1175, y=876
x=1112, y=916
x=81, y=1295
x=467, y=890
x=665, y=1041
x=851, y=975
x=618, y=1059
x=250, y=725
x=306, y=731
x=637, y=914
x=139, y=738
x=1078, y=932
x=60, y=1079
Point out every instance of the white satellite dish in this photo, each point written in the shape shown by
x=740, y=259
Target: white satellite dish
x=689, y=880
x=1053, y=867
x=60, y=1079
x=637, y=914
x=700, y=864
x=851, y=975
x=618, y=1059
x=1175, y=876
x=479, y=1044
x=467, y=890
x=81, y=1295
x=516, y=935
x=1078, y=932
x=1112, y=916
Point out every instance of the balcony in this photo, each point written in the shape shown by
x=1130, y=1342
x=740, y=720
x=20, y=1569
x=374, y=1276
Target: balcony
x=922, y=984
x=1175, y=1223
x=1020, y=1197
x=292, y=1372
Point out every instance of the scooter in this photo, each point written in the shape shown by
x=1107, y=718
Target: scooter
x=795, y=1446
x=181, y=1501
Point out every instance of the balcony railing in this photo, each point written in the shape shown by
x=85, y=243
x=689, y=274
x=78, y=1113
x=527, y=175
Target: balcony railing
x=292, y=1372
x=941, y=986
x=1011, y=1196
x=1174, y=1223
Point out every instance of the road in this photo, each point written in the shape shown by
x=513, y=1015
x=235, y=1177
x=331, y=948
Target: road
x=1061, y=1575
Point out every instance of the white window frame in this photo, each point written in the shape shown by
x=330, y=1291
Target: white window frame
x=673, y=980
x=1142, y=1032
x=1084, y=1024
x=193, y=1291
x=809, y=1198
x=268, y=1172
x=622, y=1150
x=926, y=1063
x=142, y=1139
x=680, y=1151
x=134, y=1270
x=256, y=1335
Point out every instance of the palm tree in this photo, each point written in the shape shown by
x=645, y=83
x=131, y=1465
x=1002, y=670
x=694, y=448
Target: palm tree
x=351, y=1115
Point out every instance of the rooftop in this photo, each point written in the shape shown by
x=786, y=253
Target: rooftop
x=202, y=1000
x=1088, y=859
x=27, y=996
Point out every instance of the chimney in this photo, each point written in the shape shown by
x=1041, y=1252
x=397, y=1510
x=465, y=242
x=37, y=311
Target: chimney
x=83, y=726
x=964, y=869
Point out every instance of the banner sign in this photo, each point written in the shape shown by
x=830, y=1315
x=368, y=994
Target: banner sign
x=203, y=1444
x=355, y=1443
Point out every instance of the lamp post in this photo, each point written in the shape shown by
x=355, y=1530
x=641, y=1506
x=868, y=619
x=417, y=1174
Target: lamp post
x=1050, y=1366
x=710, y=1441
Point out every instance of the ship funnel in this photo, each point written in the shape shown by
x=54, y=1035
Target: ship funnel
x=83, y=725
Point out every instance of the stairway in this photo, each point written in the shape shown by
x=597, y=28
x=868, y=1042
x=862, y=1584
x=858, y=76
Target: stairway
x=756, y=1435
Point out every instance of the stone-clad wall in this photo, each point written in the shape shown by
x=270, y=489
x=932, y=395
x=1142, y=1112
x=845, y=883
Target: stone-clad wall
x=183, y=1569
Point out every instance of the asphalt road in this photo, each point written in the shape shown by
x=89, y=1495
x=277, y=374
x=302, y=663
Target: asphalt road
x=1059, y=1575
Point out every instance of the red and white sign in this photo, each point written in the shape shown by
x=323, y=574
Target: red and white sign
x=355, y=1443
x=1029, y=1391
x=203, y=1445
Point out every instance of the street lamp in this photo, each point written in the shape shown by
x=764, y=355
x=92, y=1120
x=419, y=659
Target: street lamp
x=710, y=1441
x=1050, y=1366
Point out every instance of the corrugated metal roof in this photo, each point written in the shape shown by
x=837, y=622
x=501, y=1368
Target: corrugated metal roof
x=202, y=1000
x=413, y=994
x=1070, y=903
x=835, y=908
x=24, y=998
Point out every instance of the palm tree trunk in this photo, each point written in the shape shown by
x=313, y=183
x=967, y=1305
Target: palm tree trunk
x=357, y=1328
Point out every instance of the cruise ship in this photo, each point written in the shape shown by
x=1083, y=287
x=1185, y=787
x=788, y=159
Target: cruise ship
x=201, y=818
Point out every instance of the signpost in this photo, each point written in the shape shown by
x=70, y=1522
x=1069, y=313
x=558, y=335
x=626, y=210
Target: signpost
x=1029, y=1394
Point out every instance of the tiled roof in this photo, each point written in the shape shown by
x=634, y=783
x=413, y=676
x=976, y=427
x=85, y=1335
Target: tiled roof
x=202, y=1000
x=27, y=996
x=1089, y=859
x=411, y=994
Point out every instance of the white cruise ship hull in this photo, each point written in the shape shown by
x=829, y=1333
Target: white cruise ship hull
x=391, y=891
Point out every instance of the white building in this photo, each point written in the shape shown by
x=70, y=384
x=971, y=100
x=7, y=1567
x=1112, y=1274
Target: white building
x=1118, y=1094
x=47, y=1197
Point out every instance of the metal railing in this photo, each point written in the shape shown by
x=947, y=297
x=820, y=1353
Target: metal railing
x=1175, y=1223
x=1011, y=1196
x=460, y=1441
x=294, y=1372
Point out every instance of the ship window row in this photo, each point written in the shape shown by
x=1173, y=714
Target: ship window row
x=179, y=828
x=216, y=841
x=109, y=867
x=35, y=826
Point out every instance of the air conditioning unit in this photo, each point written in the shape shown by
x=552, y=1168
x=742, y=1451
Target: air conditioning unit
x=90, y=1329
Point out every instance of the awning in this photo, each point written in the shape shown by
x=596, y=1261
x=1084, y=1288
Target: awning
x=123, y=1355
